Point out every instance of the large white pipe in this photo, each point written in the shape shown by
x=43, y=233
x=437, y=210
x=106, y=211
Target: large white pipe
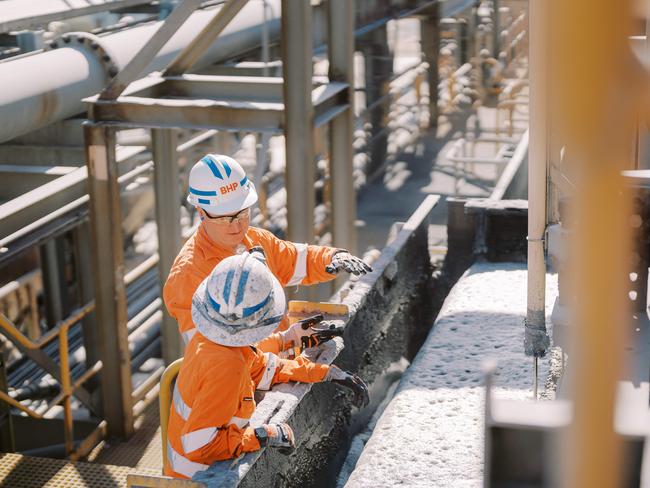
x=43, y=88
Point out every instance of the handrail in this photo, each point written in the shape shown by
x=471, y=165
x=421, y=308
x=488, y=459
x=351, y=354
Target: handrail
x=68, y=388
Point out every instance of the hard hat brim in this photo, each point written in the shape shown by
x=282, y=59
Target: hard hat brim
x=233, y=336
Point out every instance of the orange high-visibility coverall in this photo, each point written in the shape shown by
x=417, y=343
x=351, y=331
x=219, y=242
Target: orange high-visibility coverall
x=214, y=399
x=291, y=263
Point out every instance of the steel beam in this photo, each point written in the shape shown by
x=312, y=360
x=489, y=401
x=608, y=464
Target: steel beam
x=202, y=41
x=237, y=107
x=341, y=69
x=430, y=39
x=231, y=88
x=378, y=71
x=110, y=289
x=299, y=119
x=140, y=61
x=168, y=217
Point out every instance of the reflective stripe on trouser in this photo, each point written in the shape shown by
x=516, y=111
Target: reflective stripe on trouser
x=187, y=336
x=181, y=464
x=271, y=366
x=198, y=438
x=300, y=269
x=180, y=406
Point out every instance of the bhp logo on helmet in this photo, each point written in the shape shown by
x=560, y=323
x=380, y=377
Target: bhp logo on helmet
x=228, y=188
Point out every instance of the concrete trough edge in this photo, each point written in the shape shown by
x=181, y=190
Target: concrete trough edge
x=383, y=315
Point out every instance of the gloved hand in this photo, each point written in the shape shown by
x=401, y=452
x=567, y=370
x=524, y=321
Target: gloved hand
x=308, y=332
x=345, y=261
x=351, y=381
x=276, y=435
x=258, y=253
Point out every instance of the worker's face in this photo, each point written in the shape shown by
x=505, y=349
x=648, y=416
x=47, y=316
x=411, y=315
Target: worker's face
x=226, y=230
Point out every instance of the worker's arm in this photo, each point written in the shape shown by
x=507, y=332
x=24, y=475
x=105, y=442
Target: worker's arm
x=210, y=433
x=294, y=263
x=272, y=344
x=268, y=369
x=181, y=284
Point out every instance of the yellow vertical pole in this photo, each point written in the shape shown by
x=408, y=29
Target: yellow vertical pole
x=594, y=102
x=68, y=427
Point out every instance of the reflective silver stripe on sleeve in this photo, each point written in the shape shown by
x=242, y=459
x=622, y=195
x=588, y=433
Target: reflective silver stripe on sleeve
x=198, y=438
x=182, y=465
x=239, y=422
x=271, y=366
x=187, y=336
x=300, y=270
x=180, y=406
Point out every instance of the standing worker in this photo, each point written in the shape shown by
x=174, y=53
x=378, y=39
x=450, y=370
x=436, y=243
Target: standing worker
x=236, y=309
x=223, y=196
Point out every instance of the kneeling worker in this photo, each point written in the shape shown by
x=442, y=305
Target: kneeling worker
x=236, y=309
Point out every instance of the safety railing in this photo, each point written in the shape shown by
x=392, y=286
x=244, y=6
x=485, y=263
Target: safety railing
x=61, y=372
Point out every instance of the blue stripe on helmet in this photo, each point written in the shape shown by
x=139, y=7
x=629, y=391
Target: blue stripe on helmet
x=204, y=201
x=213, y=167
x=251, y=310
x=226, y=166
x=212, y=301
x=228, y=284
x=243, y=181
x=203, y=193
x=241, y=287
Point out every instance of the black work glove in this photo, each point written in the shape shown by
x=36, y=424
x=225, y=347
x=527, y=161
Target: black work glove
x=345, y=261
x=324, y=332
x=277, y=435
x=351, y=381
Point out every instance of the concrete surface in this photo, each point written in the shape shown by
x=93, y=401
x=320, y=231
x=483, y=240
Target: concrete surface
x=431, y=433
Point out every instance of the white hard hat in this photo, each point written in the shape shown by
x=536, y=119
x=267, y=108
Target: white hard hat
x=219, y=185
x=239, y=303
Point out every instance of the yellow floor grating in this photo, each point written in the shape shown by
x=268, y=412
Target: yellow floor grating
x=142, y=450
x=17, y=471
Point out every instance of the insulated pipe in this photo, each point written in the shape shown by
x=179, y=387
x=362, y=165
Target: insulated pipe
x=47, y=87
x=535, y=339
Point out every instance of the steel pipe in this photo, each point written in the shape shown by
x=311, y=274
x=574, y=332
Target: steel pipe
x=32, y=100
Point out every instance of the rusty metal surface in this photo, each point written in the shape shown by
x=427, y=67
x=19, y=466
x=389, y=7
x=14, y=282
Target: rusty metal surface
x=18, y=471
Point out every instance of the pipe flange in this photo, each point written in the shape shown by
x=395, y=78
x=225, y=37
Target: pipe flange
x=91, y=43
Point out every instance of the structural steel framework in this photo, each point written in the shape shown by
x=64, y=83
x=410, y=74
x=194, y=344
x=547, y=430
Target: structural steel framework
x=174, y=99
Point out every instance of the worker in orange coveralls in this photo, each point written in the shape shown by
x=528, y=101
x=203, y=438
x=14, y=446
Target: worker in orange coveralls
x=223, y=196
x=236, y=309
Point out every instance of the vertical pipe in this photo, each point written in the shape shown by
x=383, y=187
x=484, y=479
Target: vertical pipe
x=168, y=217
x=83, y=256
x=341, y=68
x=85, y=273
x=110, y=290
x=496, y=29
x=299, y=119
x=535, y=341
x=463, y=41
x=597, y=97
x=430, y=44
x=53, y=283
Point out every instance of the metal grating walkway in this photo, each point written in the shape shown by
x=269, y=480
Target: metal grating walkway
x=142, y=450
x=17, y=471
